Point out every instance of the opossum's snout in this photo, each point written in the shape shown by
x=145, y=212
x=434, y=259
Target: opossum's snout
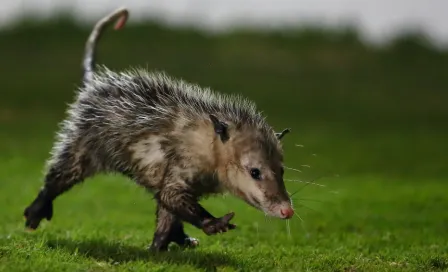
x=261, y=186
x=271, y=198
x=282, y=210
x=277, y=203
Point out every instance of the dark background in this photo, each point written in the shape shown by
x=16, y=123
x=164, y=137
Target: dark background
x=356, y=109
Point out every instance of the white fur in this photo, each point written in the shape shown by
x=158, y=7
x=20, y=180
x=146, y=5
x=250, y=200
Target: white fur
x=148, y=151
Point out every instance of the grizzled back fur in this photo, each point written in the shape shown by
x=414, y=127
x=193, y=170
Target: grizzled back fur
x=115, y=109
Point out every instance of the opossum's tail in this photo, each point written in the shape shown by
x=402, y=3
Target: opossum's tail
x=89, y=54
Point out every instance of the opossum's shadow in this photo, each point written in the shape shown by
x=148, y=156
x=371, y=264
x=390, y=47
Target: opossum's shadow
x=117, y=253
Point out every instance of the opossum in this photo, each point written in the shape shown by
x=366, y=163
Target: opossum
x=179, y=141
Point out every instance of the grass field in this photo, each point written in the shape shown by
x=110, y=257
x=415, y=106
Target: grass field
x=372, y=123
x=354, y=223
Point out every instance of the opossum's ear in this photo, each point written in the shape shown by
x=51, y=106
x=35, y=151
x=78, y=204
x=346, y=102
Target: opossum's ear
x=220, y=128
x=283, y=133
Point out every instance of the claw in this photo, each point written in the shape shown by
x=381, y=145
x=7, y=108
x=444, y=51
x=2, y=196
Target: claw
x=226, y=218
x=219, y=225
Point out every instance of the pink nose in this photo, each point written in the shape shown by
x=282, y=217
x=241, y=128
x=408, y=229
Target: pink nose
x=287, y=213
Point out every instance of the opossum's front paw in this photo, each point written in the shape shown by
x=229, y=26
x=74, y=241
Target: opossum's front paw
x=219, y=225
x=37, y=211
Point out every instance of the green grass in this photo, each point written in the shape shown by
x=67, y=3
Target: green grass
x=354, y=223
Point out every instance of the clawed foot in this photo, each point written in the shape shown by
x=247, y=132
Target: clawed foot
x=219, y=225
x=37, y=211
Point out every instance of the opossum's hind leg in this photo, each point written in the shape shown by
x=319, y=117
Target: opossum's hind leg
x=68, y=169
x=170, y=229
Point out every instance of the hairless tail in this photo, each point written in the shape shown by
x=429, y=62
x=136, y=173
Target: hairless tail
x=121, y=15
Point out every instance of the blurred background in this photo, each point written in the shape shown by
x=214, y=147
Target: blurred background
x=363, y=84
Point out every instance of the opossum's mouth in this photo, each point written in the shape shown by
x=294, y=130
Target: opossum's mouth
x=282, y=210
x=252, y=201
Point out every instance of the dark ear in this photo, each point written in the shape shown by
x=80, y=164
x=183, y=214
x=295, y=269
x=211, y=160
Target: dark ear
x=220, y=128
x=283, y=133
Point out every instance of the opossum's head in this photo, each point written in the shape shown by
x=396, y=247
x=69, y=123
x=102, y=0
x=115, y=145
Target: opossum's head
x=254, y=166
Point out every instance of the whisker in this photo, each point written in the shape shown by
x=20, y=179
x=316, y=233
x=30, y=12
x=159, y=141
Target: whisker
x=306, y=165
x=298, y=190
x=302, y=224
x=293, y=169
x=296, y=214
x=307, y=183
x=310, y=199
x=298, y=180
x=288, y=229
x=301, y=205
x=299, y=145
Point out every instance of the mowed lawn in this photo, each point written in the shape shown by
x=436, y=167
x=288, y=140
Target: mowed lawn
x=352, y=223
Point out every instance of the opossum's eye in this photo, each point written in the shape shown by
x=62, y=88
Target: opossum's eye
x=282, y=171
x=255, y=173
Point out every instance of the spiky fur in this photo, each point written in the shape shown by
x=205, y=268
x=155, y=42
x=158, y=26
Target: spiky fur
x=159, y=132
